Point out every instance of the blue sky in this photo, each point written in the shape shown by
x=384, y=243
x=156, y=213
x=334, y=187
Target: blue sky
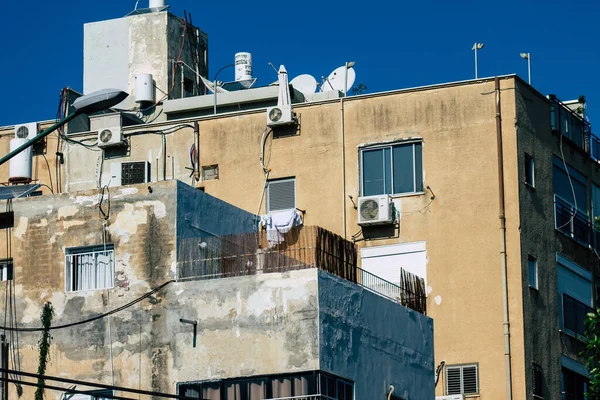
x=395, y=44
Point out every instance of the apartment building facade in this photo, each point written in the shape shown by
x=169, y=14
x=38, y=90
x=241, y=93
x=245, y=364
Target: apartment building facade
x=434, y=152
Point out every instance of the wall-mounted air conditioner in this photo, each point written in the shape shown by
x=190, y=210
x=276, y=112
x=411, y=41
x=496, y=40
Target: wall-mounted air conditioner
x=26, y=131
x=375, y=210
x=109, y=137
x=280, y=115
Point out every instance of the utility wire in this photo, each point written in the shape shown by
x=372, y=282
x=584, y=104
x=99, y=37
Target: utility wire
x=85, y=321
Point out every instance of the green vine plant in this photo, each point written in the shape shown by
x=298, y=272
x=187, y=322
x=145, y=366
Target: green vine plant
x=44, y=346
x=592, y=354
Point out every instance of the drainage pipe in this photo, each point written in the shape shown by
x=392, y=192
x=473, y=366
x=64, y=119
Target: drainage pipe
x=503, y=258
x=343, y=139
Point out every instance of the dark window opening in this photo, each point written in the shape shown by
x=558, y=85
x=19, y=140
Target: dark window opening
x=267, y=387
x=536, y=380
x=574, y=386
x=574, y=314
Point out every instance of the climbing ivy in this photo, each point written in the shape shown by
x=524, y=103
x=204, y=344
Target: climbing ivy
x=44, y=346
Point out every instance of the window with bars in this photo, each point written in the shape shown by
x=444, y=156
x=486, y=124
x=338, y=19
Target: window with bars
x=89, y=268
x=281, y=194
x=536, y=380
x=462, y=379
x=392, y=169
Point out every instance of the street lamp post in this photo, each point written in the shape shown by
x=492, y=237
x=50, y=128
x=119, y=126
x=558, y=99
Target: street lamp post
x=215, y=86
x=476, y=46
x=527, y=56
x=88, y=104
x=349, y=64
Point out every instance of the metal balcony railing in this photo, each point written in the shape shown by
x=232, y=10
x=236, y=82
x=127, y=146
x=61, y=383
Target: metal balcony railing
x=572, y=222
x=570, y=124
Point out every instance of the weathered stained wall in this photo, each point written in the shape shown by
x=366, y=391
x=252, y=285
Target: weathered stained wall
x=142, y=224
x=374, y=342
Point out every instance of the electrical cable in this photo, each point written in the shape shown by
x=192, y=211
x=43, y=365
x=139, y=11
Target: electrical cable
x=49, y=173
x=92, y=319
x=574, y=213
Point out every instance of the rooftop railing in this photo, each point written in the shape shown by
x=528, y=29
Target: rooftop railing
x=572, y=125
x=214, y=257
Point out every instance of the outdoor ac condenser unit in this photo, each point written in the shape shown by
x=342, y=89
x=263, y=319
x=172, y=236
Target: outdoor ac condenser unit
x=109, y=137
x=375, y=210
x=280, y=115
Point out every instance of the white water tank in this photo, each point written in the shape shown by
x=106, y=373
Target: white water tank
x=243, y=66
x=157, y=3
x=20, y=165
x=144, y=88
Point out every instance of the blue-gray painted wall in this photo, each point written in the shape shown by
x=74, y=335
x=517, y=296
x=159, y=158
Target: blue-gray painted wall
x=374, y=342
x=200, y=214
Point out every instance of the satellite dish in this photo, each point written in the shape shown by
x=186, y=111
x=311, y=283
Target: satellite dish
x=336, y=80
x=304, y=83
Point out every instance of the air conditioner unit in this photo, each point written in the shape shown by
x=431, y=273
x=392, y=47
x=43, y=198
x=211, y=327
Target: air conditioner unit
x=280, y=115
x=109, y=137
x=26, y=131
x=451, y=397
x=375, y=210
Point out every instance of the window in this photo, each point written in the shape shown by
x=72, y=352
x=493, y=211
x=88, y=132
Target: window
x=574, y=385
x=462, y=379
x=6, y=269
x=537, y=380
x=281, y=194
x=311, y=384
x=210, y=172
x=575, y=295
x=393, y=169
x=570, y=212
x=529, y=170
x=532, y=272
x=89, y=268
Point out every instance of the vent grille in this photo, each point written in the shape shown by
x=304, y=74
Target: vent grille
x=281, y=195
x=22, y=132
x=462, y=379
x=135, y=172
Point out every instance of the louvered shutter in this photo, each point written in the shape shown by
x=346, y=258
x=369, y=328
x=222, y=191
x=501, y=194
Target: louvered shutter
x=453, y=384
x=470, y=384
x=281, y=195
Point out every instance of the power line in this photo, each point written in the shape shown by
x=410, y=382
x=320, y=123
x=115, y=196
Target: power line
x=116, y=310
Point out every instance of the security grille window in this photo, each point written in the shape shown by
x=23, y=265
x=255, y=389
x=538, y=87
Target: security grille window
x=392, y=169
x=574, y=386
x=6, y=269
x=529, y=170
x=532, y=272
x=135, y=172
x=462, y=379
x=281, y=195
x=536, y=380
x=89, y=268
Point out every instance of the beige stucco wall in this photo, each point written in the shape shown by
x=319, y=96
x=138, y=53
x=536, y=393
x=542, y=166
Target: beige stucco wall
x=460, y=225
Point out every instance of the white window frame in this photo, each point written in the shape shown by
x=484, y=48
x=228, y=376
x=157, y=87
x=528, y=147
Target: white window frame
x=529, y=167
x=92, y=253
x=531, y=260
x=268, y=194
x=391, y=145
x=6, y=269
x=461, y=367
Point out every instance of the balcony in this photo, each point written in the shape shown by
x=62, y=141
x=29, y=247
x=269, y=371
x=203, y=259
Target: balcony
x=214, y=257
x=572, y=222
x=571, y=125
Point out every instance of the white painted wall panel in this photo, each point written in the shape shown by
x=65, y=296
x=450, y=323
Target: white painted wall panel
x=386, y=261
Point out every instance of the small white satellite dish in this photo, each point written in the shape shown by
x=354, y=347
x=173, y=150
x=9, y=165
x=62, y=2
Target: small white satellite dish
x=337, y=79
x=306, y=84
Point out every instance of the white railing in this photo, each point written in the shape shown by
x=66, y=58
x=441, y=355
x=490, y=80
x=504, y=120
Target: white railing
x=90, y=270
x=305, y=397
